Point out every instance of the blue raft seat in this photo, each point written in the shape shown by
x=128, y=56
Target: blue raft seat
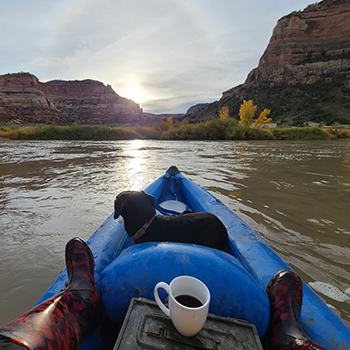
x=136, y=271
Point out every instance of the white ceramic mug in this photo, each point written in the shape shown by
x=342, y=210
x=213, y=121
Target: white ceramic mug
x=188, y=303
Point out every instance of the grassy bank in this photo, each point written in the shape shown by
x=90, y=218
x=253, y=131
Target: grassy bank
x=215, y=129
x=226, y=130
x=74, y=132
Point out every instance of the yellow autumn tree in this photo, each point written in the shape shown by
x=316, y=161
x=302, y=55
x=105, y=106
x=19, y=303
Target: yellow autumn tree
x=169, y=121
x=262, y=120
x=246, y=113
x=223, y=113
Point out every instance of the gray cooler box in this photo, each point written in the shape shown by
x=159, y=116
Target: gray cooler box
x=146, y=327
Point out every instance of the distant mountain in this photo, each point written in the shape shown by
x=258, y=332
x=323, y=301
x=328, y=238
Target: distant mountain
x=304, y=73
x=196, y=108
x=24, y=99
x=153, y=116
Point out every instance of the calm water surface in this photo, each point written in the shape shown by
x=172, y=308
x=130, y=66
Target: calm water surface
x=296, y=195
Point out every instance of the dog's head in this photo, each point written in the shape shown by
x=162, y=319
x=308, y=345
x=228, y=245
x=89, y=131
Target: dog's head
x=134, y=203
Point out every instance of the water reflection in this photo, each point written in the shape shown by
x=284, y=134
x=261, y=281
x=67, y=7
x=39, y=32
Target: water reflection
x=294, y=194
x=136, y=163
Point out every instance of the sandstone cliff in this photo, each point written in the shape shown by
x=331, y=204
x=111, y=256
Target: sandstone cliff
x=24, y=99
x=306, y=45
x=304, y=73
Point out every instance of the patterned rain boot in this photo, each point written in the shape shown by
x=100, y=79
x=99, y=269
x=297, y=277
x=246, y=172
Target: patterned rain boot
x=63, y=321
x=285, y=291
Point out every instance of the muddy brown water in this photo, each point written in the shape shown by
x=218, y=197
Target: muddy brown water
x=296, y=195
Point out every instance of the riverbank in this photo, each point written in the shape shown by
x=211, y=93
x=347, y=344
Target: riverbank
x=164, y=129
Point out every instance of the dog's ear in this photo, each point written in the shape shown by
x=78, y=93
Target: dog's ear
x=151, y=199
x=118, y=205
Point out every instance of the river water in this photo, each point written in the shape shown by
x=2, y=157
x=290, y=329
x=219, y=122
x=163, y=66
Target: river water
x=296, y=195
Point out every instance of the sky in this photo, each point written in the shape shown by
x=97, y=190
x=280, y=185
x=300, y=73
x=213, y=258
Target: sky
x=166, y=55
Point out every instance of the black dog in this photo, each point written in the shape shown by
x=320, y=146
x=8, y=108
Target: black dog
x=143, y=225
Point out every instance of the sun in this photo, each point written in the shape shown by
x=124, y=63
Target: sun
x=135, y=93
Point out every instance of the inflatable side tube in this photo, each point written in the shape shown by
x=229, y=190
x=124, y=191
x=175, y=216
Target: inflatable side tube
x=318, y=321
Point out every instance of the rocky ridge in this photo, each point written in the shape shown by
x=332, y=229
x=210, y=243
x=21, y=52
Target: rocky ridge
x=306, y=45
x=304, y=73
x=196, y=108
x=24, y=99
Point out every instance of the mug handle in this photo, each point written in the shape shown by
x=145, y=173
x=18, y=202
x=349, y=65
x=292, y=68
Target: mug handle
x=156, y=297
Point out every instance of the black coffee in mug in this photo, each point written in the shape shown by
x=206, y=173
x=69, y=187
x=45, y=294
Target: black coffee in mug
x=188, y=300
x=194, y=297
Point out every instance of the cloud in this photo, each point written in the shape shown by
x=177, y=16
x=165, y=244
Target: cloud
x=180, y=52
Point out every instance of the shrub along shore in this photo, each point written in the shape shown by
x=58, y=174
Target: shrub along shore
x=164, y=129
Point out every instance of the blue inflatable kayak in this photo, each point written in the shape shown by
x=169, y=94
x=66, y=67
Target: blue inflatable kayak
x=237, y=280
